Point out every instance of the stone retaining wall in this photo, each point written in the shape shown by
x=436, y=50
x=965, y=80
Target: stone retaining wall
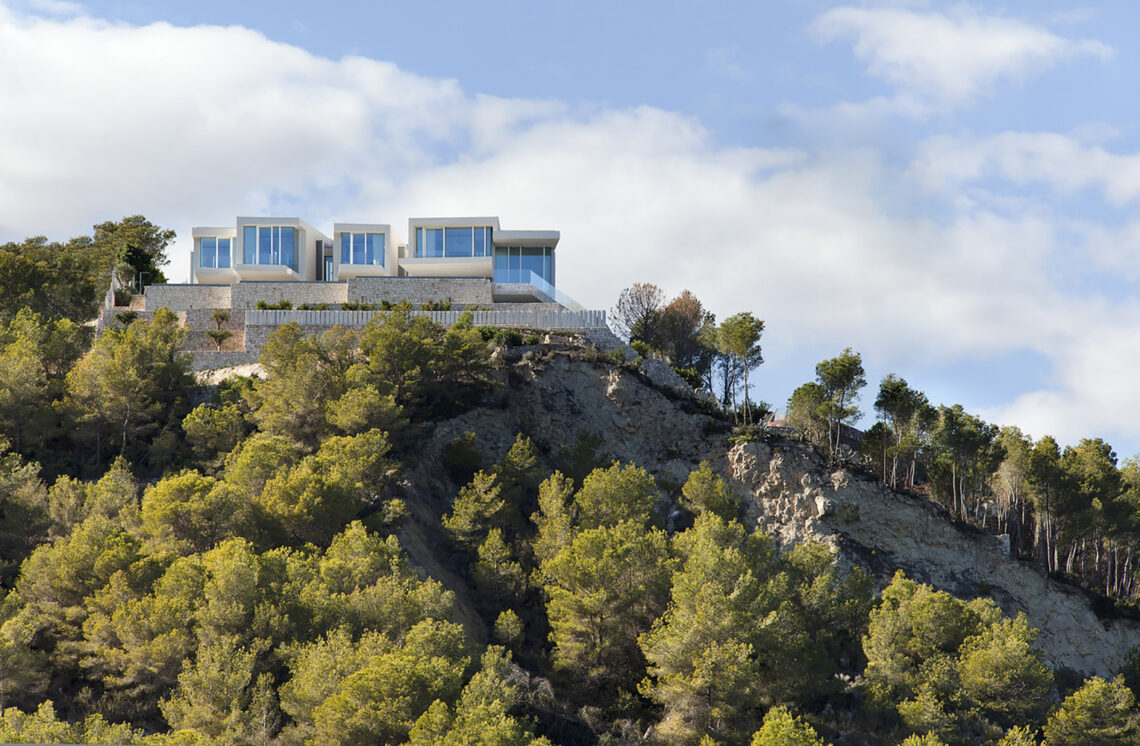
x=107, y=318
x=202, y=319
x=187, y=297
x=420, y=290
x=461, y=291
x=247, y=294
x=198, y=341
x=194, y=306
x=210, y=359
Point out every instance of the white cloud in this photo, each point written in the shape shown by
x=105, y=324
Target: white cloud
x=1095, y=393
x=1113, y=248
x=1062, y=162
x=57, y=7
x=177, y=121
x=191, y=126
x=947, y=59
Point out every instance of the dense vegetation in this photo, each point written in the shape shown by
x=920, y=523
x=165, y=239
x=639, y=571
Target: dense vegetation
x=187, y=566
x=1075, y=510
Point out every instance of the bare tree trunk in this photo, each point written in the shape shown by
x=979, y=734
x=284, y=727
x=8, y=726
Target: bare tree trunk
x=895, y=459
x=747, y=407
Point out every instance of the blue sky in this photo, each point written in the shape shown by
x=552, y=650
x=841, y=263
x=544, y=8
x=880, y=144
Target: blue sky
x=950, y=189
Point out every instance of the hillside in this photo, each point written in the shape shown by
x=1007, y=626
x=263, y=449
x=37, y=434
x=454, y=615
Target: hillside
x=787, y=488
x=418, y=534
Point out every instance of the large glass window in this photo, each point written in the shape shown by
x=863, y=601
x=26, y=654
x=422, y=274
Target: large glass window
x=514, y=264
x=362, y=248
x=269, y=244
x=288, y=245
x=358, y=248
x=213, y=252
x=249, y=245
x=453, y=242
x=374, y=253
x=208, y=252
x=432, y=244
x=265, y=244
x=458, y=242
x=532, y=261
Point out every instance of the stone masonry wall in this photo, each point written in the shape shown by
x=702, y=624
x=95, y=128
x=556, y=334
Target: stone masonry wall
x=415, y=290
x=252, y=338
x=187, y=297
x=247, y=294
x=211, y=359
x=202, y=319
x=420, y=290
x=198, y=341
x=107, y=318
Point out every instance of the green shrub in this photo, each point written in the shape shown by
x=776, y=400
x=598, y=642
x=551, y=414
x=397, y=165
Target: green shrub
x=126, y=317
x=313, y=307
x=281, y=305
x=688, y=375
x=613, y=357
x=744, y=434
x=508, y=629
x=219, y=336
x=508, y=337
x=530, y=339
x=351, y=306
x=436, y=305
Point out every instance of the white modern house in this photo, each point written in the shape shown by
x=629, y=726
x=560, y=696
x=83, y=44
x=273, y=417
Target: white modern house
x=266, y=271
x=279, y=249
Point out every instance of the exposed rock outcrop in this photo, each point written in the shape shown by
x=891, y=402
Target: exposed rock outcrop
x=793, y=497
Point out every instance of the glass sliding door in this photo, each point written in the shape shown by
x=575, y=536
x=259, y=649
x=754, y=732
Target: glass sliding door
x=514, y=264
x=249, y=245
x=358, y=251
x=288, y=252
x=374, y=251
x=208, y=252
x=265, y=245
x=501, y=273
x=433, y=243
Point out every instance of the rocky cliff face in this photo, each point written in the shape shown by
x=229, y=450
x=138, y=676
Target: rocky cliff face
x=642, y=417
x=793, y=497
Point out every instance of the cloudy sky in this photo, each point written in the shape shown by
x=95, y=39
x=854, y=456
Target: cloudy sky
x=950, y=189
